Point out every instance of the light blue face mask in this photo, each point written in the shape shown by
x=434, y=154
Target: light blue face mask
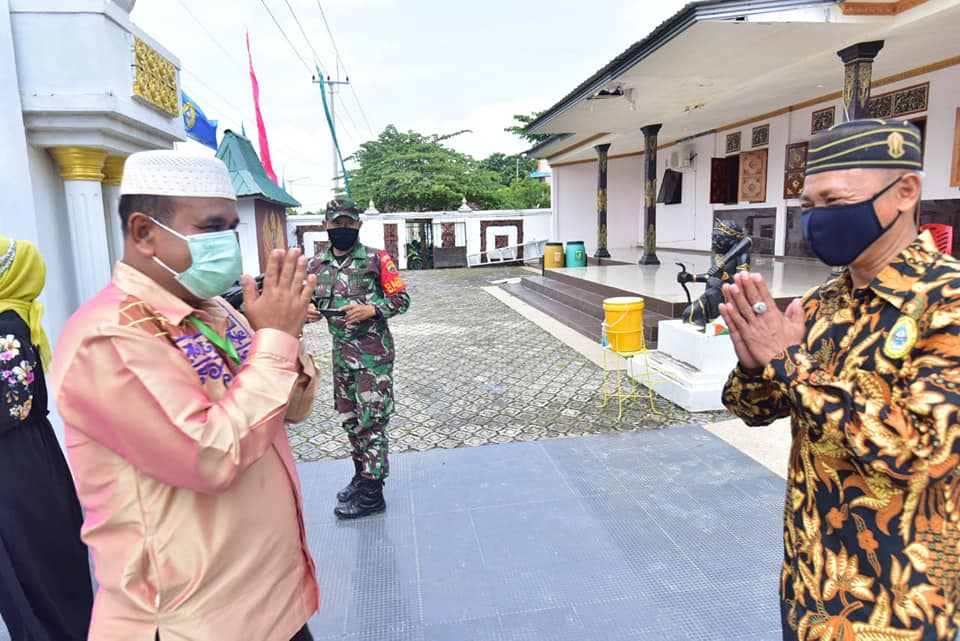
x=216, y=262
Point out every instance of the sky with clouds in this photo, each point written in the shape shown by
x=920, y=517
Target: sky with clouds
x=433, y=66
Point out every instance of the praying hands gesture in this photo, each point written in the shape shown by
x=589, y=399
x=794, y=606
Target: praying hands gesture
x=759, y=330
x=286, y=293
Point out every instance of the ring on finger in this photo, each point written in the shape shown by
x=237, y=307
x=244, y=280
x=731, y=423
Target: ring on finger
x=759, y=308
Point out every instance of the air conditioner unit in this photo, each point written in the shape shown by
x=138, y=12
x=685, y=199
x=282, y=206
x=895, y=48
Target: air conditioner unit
x=679, y=160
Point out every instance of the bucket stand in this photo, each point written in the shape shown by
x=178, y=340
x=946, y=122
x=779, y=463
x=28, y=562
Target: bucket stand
x=614, y=363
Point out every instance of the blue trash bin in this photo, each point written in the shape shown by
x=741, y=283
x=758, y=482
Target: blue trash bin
x=576, y=254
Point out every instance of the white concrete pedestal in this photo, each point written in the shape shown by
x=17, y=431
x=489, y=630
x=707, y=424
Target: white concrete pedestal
x=689, y=367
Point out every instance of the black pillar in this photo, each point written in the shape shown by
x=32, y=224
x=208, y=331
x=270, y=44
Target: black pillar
x=857, y=69
x=602, y=202
x=650, y=194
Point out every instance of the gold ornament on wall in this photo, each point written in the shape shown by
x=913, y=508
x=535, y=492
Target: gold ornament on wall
x=156, y=79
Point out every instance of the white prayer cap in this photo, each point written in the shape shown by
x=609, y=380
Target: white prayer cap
x=165, y=172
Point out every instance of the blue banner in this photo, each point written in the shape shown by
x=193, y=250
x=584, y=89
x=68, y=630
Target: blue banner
x=196, y=124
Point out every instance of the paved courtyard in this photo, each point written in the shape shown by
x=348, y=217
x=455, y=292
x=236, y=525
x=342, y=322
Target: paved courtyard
x=471, y=371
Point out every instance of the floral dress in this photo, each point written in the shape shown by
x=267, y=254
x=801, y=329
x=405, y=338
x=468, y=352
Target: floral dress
x=45, y=590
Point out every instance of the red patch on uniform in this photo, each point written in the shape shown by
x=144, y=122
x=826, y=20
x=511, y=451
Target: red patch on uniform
x=390, y=278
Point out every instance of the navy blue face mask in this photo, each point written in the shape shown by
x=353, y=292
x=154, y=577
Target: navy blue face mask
x=838, y=235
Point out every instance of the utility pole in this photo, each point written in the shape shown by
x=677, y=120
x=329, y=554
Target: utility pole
x=331, y=92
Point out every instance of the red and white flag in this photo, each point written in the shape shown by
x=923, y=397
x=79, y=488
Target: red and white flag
x=261, y=130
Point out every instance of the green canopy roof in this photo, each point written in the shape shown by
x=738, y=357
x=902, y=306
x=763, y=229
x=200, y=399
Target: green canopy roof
x=247, y=173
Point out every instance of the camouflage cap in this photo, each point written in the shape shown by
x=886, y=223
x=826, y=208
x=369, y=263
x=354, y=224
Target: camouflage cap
x=342, y=207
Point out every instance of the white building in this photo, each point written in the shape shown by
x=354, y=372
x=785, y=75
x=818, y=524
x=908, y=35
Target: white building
x=741, y=86
x=451, y=238
x=81, y=88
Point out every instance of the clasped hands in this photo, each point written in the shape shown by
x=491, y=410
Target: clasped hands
x=758, y=338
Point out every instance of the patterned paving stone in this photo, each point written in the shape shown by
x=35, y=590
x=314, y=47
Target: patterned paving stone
x=470, y=371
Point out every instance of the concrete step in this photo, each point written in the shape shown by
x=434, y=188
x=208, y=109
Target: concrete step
x=567, y=306
x=588, y=302
x=683, y=384
x=573, y=318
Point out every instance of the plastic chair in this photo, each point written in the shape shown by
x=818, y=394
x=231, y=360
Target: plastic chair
x=942, y=236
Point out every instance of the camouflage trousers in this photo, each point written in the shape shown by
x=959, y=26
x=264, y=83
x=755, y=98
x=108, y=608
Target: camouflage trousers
x=364, y=400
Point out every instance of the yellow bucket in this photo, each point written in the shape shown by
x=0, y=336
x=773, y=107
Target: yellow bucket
x=553, y=255
x=623, y=324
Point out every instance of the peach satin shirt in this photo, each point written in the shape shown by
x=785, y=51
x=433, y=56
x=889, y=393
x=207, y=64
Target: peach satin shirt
x=193, y=506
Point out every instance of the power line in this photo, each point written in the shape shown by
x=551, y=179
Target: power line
x=284, y=34
x=362, y=112
x=332, y=40
x=344, y=67
x=220, y=98
x=316, y=58
x=350, y=118
x=213, y=39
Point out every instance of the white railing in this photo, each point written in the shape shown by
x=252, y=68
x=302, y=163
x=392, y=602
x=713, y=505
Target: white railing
x=532, y=250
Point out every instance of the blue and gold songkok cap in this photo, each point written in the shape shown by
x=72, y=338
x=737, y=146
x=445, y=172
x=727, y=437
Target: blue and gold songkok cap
x=866, y=144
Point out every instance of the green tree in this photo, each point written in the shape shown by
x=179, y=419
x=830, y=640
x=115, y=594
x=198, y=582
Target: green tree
x=525, y=193
x=521, y=129
x=408, y=171
x=509, y=167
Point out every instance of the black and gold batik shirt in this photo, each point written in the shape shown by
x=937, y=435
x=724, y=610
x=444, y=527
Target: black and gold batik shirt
x=871, y=527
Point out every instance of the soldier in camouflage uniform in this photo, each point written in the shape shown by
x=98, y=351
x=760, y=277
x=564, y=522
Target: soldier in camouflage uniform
x=358, y=289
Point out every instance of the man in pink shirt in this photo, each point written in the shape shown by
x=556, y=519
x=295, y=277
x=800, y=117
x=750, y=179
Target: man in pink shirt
x=175, y=408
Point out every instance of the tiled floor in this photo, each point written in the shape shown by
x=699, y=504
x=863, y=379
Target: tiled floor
x=785, y=276
x=665, y=535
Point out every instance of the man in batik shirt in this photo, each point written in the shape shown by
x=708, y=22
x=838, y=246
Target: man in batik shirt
x=867, y=366
x=358, y=289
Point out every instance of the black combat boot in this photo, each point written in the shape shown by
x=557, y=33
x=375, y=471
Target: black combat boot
x=347, y=493
x=368, y=499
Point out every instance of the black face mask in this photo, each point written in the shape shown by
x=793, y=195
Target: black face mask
x=838, y=235
x=343, y=238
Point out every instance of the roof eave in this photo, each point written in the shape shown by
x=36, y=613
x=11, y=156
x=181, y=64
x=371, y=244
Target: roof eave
x=533, y=151
x=663, y=34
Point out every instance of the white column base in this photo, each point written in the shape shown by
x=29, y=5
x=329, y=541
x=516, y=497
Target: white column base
x=88, y=236
x=111, y=214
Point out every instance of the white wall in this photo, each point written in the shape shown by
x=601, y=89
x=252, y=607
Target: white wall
x=538, y=227
x=371, y=233
x=247, y=230
x=941, y=123
x=576, y=205
x=687, y=225
x=624, y=204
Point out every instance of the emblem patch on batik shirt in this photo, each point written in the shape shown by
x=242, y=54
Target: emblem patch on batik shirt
x=902, y=338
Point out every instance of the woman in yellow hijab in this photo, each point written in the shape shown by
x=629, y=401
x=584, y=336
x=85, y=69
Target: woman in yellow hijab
x=45, y=591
